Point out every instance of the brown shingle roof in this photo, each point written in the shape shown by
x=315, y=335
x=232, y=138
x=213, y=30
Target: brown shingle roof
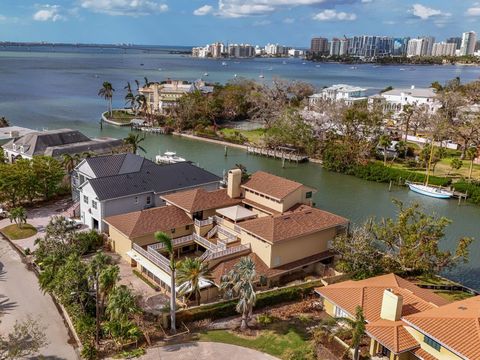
x=368, y=294
x=225, y=266
x=271, y=185
x=456, y=325
x=392, y=334
x=149, y=221
x=201, y=199
x=303, y=221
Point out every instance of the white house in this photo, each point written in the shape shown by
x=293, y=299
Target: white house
x=395, y=100
x=340, y=92
x=122, y=183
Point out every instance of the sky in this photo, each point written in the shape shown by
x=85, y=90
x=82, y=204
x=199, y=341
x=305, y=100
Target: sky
x=198, y=22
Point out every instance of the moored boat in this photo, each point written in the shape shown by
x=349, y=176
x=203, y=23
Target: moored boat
x=431, y=191
x=169, y=157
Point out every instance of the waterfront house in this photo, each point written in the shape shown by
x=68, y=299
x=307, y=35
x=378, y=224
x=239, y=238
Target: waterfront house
x=163, y=97
x=8, y=133
x=56, y=143
x=345, y=93
x=268, y=218
x=117, y=184
x=406, y=322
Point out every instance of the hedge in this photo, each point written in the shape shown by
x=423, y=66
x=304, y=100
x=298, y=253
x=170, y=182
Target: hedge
x=378, y=172
x=225, y=309
x=472, y=188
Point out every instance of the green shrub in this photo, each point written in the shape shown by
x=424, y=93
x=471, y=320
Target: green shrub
x=88, y=241
x=303, y=353
x=471, y=188
x=264, y=319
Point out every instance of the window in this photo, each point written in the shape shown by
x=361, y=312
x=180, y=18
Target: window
x=432, y=343
x=149, y=200
x=187, y=227
x=136, y=200
x=308, y=195
x=340, y=313
x=85, y=199
x=172, y=231
x=94, y=204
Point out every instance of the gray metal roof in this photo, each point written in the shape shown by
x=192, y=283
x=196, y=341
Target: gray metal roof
x=115, y=164
x=149, y=178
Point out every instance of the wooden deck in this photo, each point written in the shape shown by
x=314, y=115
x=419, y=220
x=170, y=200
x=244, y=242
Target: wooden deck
x=277, y=154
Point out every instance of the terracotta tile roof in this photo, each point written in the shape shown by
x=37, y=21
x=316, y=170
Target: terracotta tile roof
x=422, y=354
x=368, y=294
x=271, y=185
x=456, y=326
x=149, y=221
x=200, y=199
x=392, y=334
x=304, y=221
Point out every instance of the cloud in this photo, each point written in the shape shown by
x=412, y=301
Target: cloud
x=333, y=15
x=203, y=10
x=474, y=10
x=124, y=7
x=244, y=8
x=48, y=13
x=288, y=20
x=425, y=13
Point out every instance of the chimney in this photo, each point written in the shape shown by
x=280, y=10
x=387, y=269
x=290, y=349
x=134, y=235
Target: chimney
x=391, y=305
x=233, y=183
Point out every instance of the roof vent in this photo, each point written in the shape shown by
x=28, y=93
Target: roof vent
x=462, y=308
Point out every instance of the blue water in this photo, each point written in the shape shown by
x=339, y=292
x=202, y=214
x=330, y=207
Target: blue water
x=54, y=87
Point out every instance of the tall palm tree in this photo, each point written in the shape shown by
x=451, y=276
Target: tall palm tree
x=191, y=273
x=385, y=142
x=141, y=104
x=239, y=282
x=472, y=153
x=121, y=304
x=164, y=239
x=129, y=97
x=133, y=141
x=68, y=162
x=356, y=328
x=106, y=91
x=107, y=280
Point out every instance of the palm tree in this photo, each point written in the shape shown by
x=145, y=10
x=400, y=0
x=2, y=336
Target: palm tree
x=472, y=153
x=385, y=142
x=106, y=91
x=191, y=273
x=133, y=141
x=4, y=122
x=406, y=116
x=239, y=283
x=401, y=147
x=164, y=239
x=142, y=104
x=121, y=304
x=130, y=97
x=68, y=162
x=107, y=280
x=357, y=329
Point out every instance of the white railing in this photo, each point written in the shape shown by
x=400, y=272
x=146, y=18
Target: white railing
x=218, y=219
x=237, y=229
x=229, y=251
x=231, y=237
x=206, y=222
x=205, y=255
x=175, y=242
x=204, y=242
x=221, y=245
x=153, y=256
x=212, y=232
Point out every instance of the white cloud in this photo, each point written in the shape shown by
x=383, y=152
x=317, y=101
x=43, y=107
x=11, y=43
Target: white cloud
x=474, y=10
x=124, y=7
x=243, y=8
x=366, y=1
x=203, y=10
x=425, y=13
x=289, y=20
x=48, y=13
x=333, y=15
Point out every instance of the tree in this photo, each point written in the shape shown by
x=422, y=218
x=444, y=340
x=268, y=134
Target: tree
x=406, y=116
x=191, y=274
x=239, y=282
x=358, y=252
x=4, y=122
x=49, y=174
x=18, y=215
x=356, y=328
x=25, y=341
x=68, y=163
x=164, y=239
x=133, y=141
x=401, y=147
x=106, y=91
x=385, y=142
x=411, y=241
x=456, y=164
x=472, y=153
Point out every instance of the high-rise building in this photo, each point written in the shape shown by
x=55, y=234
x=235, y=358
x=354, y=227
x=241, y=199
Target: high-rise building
x=335, y=47
x=370, y=46
x=443, y=49
x=455, y=40
x=400, y=46
x=319, y=45
x=420, y=47
x=469, y=41
x=343, y=47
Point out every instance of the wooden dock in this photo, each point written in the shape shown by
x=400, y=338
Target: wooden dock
x=278, y=153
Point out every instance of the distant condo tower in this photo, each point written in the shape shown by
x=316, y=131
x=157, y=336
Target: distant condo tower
x=469, y=40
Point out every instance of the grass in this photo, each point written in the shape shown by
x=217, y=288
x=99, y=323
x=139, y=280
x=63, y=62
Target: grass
x=146, y=280
x=454, y=295
x=253, y=136
x=432, y=280
x=13, y=232
x=120, y=116
x=274, y=340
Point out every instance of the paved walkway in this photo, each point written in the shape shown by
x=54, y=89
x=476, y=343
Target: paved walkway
x=20, y=296
x=204, y=351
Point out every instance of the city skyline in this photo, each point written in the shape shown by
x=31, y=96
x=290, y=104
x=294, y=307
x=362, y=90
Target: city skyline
x=291, y=22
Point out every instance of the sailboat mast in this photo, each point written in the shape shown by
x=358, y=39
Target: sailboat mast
x=429, y=162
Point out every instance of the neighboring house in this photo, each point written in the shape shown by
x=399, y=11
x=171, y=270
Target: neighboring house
x=406, y=322
x=12, y=132
x=119, y=184
x=56, y=143
x=163, y=97
x=268, y=218
x=395, y=100
x=340, y=92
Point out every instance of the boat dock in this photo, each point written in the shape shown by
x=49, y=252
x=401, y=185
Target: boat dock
x=154, y=130
x=283, y=153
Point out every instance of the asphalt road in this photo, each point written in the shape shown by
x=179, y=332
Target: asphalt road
x=20, y=296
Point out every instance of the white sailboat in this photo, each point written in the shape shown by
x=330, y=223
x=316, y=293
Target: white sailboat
x=428, y=190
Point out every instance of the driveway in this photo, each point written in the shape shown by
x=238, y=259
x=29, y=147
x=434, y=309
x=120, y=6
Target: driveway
x=21, y=296
x=204, y=351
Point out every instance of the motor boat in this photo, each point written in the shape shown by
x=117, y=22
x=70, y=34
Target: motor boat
x=169, y=157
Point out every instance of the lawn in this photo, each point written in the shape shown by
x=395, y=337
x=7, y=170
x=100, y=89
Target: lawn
x=13, y=232
x=454, y=295
x=274, y=340
x=120, y=116
x=253, y=136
